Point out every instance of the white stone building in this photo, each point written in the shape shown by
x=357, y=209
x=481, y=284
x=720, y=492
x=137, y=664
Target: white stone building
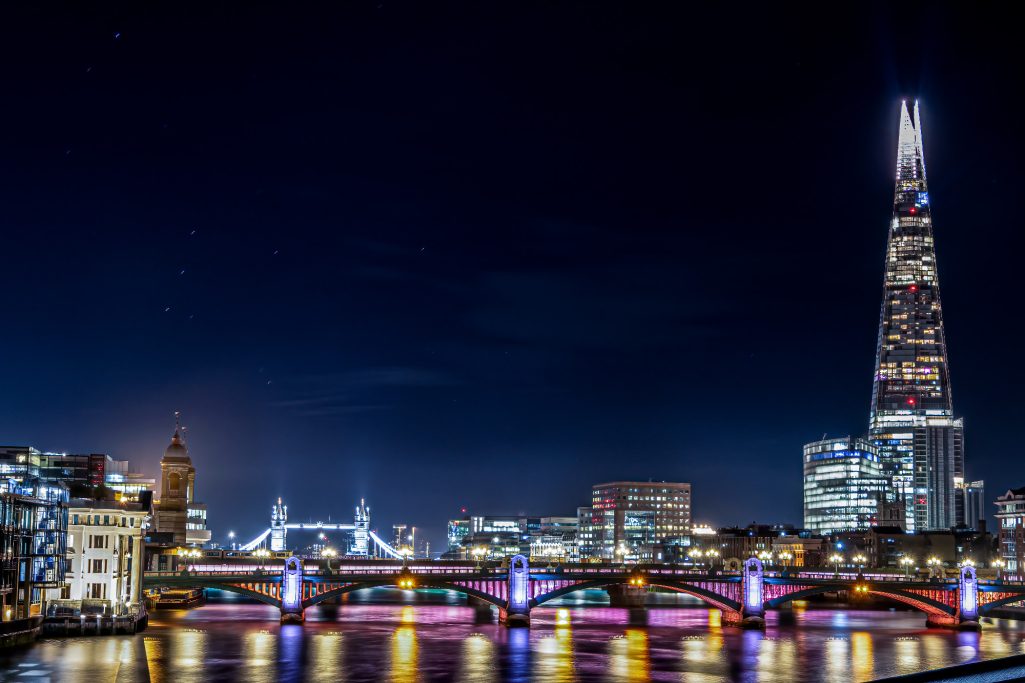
x=105, y=552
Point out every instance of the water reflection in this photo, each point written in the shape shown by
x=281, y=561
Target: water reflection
x=861, y=656
x=628, y=657
x=478, y=660
x=437, y=642
x=404, y=649
x=555, y=656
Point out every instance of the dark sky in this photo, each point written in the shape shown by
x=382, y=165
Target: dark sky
x=487, y=254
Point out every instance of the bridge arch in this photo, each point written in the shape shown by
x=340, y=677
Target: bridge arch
x=985, y=608
x=238, y=589
x=919, y=602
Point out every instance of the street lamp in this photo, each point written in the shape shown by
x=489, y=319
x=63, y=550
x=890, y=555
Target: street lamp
x=327, y=554
x=934, y=565
x=765, y=556
x=967, y=562
x=836, y=559
x=406, y=553
x=231, y=539
x=907, y=562
x=622, y=551
x=859, y=560
x=998, y=564
x=697, y=554
x=479, y=553
x=785, y=557
x=711, y=554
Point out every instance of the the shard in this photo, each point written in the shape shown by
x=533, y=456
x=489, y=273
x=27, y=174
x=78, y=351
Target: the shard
x=912, y=424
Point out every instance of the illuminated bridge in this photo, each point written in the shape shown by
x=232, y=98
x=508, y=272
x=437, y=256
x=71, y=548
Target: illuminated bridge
x=515, y=588
x=362, y=536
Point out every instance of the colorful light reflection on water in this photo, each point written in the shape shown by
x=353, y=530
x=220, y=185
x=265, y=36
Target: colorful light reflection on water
x=444, y=640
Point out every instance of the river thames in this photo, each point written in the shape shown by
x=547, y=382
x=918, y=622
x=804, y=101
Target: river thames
x=437, y=639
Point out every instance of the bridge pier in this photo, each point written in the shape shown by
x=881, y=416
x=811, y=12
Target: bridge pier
x=292, y=610
x=752, y=609
x=623, y=595
x=517, y=609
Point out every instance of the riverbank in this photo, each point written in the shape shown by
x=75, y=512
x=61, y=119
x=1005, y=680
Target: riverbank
x=19, y=632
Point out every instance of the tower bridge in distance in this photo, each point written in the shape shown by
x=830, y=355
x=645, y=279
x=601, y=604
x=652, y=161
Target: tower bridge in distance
x=362, y=536
x=515, y=588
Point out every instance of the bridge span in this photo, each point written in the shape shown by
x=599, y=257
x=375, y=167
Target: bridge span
x=515, y=587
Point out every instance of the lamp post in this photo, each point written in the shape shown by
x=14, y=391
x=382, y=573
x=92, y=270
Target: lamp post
x=934, y=564
x=697, y=555
x=836, y=559
x=327, y=554
x=860, y=560
x=712, y=554
x=622, y=551
x=405, y=552
x=998, y=564
x=967, y=562
x=231, y=539
x=479, y=552
x=907, y=562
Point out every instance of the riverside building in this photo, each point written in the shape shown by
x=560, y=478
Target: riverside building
x=105, y=545
x=33, y=533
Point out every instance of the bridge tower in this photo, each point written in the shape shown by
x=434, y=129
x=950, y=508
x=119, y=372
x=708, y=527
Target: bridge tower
x=292, y=611
x=361, y=533
x=278, y=517
x=517, y=608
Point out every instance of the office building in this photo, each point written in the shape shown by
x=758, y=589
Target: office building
x=33, y=536
x=843, y=485
x=919, y=440
x=973, y=495
x=628, y=519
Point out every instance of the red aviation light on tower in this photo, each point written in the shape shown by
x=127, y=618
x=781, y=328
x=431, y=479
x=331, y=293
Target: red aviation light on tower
x=911, y=401
x=913, y=210
x=913, y=288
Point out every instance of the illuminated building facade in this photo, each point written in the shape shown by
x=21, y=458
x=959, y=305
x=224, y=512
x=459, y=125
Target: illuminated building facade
x=973, y=495
x=912, y=425
x=105, y=540
x=1011, y=518
x=33, y=534
x=843, y=485
x=458, y=530
x=629, y=518
x=177, y=512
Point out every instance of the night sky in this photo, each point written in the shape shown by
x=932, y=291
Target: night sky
x=486, y=254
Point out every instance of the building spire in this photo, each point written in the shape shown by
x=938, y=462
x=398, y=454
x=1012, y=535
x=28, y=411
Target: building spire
x=910, y=153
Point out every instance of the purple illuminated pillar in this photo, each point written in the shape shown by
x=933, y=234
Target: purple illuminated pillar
x=517, y=610
x=753, y=609
x=968, y=596
x=292, y=591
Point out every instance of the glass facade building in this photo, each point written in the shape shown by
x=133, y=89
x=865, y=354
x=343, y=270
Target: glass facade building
x=843, y=485
x=919, y=441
